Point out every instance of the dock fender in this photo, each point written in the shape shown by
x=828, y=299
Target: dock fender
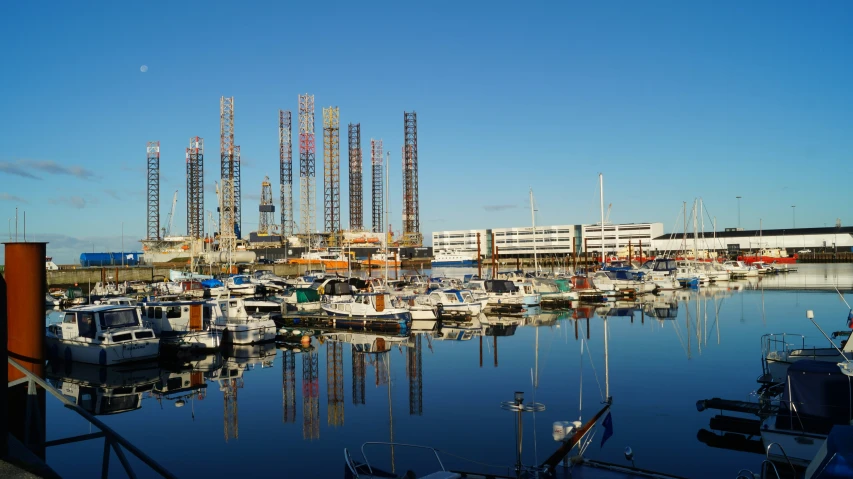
x=102, y=357
x=67, y=354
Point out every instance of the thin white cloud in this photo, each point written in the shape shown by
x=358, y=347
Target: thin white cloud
x=14, y=198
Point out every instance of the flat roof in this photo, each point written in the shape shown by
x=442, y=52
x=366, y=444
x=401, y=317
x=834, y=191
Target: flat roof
x=772, y=232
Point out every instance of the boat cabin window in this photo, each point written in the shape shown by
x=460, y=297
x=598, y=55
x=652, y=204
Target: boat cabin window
x=173, y=312
x=86, y=325
x=118, y=319
x=451, y=298
x=70, y=318
x=208, y=312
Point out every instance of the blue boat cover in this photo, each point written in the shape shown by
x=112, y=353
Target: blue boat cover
x=211, y=283
x=838, y=461
x=820, y=394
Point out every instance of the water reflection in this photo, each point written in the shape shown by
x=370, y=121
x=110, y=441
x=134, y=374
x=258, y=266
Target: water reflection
x=102, y=390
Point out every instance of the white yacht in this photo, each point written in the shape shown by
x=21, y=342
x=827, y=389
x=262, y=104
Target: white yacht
x=739, y=269
x=456, y=301
x=102, y=335
x=611, y=280
x=184, y=324
x=240, y=327
x=241, y=284
x=454, y=258
x=367, y=305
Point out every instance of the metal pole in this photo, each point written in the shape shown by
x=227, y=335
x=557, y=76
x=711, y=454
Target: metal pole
x=738, y=211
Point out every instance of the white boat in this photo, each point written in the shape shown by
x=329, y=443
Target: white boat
x=240, y=285
x=184, y=324
x=454, y=258
x=610, y=280
x=118, y=301
x=739, y=269
x=240, y=327
x=661, y=272
x=497, y=291
x=167, y=288
x=817, y=397
x=367, y=305
x=51, y=302
x=714, y=270
x=456, y=302
x=779, y=351
x=102, y=335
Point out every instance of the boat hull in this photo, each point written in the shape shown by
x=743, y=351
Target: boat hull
x=102, y=354
x=195, y=340
x=252, y=332
x=465, y=262
x=329, y=264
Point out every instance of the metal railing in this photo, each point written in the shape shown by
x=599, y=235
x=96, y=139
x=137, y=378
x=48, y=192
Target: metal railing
x=111, y=438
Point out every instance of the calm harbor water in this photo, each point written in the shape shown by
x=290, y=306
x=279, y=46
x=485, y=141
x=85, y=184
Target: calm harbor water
x=271, y=410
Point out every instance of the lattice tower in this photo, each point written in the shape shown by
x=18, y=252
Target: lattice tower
x=227, y=238
x=414, y=368
x=332, y=173
x=376, y=170
x=307, y=159
x=238, y=207
x=411, y=207
x=285, y=159
x=153, y=157
x=380, y=363
x=359, y=369
x=266, y=223
x=335, y=383
x=310, y=395
x=356, y=195
x=288, y=386
x=229, y=403
x=195, y=188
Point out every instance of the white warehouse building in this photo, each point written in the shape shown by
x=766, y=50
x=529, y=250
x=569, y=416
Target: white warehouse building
x=617, y=237
x=829, y=239
x=550, y=239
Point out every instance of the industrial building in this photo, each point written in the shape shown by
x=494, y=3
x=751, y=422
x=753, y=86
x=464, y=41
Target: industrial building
x=617, y=237
x=810, y=240
x=550, y=239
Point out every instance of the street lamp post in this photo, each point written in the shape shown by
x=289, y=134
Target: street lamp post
x=794, y=214
x=738, y=211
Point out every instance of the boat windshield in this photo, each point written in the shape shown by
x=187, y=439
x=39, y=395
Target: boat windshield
x=118, y=319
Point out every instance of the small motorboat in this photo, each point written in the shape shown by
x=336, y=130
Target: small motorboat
x=101, y=334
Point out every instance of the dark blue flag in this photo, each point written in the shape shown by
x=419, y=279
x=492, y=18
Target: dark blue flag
x=608, y=428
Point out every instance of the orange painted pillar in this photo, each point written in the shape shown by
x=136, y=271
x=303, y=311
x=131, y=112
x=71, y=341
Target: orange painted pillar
x=26, y=288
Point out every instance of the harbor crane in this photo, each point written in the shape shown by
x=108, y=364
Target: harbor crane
x=167, y=231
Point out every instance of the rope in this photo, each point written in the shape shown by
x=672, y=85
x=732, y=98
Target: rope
x=594, y=372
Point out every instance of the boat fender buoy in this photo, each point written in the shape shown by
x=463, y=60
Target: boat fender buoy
x=306, y=341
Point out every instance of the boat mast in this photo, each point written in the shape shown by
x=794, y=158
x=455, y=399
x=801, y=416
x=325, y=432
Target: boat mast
x=387, y=214
x=606, y=363
x=684, y=238
x=601, y=199
x=695, y=233
x=533, y=219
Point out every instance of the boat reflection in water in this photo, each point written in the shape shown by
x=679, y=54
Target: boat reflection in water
x=185, y=379
x=464, y=330
x=102, y=390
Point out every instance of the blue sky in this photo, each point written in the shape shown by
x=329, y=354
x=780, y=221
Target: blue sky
x=670, y=100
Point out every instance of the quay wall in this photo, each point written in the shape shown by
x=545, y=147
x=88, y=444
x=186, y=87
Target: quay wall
x=70, y=275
